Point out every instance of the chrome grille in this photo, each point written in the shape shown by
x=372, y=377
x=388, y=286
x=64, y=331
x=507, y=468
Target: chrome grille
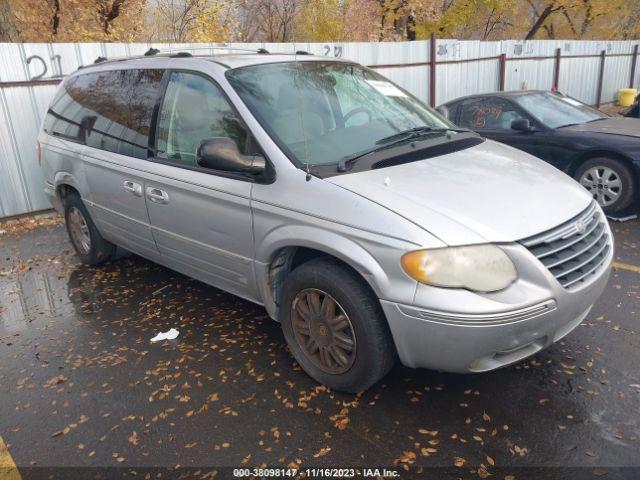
x=574, y=250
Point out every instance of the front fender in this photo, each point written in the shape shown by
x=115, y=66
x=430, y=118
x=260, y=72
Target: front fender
x=325, y=241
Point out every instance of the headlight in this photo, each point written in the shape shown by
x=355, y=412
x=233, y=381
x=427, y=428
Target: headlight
x=482, y=268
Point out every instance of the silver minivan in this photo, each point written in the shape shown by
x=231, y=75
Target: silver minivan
x=366, y=224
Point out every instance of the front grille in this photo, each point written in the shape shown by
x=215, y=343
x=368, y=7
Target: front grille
x=575, y=250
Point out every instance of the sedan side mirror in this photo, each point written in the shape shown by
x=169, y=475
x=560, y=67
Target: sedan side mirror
x=522, y=124
x=221, y=153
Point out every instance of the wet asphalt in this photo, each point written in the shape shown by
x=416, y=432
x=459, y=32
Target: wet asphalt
x=85, y=394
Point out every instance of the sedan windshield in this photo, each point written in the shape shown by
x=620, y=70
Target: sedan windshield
x=556, y=111
x=320, y=113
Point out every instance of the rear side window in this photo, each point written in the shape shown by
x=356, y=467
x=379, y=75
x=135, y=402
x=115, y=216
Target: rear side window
x=110, y=110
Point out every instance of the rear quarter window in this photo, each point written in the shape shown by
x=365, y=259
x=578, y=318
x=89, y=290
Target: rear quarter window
x=110, y=110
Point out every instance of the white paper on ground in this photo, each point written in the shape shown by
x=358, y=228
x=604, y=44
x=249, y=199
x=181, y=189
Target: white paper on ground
x=170, y=335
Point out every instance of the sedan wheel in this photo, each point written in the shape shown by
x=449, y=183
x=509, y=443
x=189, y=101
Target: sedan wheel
x=603, y=183
x=609, y=181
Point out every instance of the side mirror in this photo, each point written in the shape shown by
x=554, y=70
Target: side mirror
x=221, y=153
x=522, y=124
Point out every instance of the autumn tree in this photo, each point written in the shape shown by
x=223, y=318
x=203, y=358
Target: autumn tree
x=79, y=20
x=478, y=19
x=188, y=21
x=321, y=21
x=8, y=28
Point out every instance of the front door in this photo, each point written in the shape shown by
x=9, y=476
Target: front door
x=201, y=219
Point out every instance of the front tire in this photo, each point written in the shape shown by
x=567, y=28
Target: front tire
x=610, y=182
x=335, y=327
x=89, y=245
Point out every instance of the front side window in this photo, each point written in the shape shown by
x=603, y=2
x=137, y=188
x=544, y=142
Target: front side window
x=320, y=112
x=556, y=111
x=488, y=114
x=109, y=110
x=193, y=110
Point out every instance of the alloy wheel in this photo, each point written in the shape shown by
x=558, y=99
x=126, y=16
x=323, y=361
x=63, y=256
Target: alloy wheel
x=323, y=331
x=603, y=183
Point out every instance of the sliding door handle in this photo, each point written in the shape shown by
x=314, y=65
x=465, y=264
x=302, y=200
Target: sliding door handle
x=132, y=187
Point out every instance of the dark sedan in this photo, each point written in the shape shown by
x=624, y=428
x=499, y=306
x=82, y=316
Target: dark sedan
x=601, y=152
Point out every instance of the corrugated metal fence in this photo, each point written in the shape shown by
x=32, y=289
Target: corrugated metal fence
x=435, y=71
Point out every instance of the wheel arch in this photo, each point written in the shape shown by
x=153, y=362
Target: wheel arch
x=65, y=183
x=280, y=256
x=575, y=164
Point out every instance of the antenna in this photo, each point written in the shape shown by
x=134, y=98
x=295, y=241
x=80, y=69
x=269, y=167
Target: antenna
x=304, y=134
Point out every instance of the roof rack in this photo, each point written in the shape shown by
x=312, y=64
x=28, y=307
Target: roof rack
x=181, y=52
x=224, y=47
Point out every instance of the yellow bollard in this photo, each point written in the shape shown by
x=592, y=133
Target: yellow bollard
x=627, y=96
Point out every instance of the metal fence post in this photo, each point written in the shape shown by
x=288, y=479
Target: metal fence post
x=432, y=70
x=603, y=55
x=556, y=70
x=634, y=60
x=503, y=69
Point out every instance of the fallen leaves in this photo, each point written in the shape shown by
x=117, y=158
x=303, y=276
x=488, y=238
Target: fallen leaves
x=322, y=452
x=52, y=382
x=459, y=462
x=133, y=438
x=340, y=419
x=407, y=458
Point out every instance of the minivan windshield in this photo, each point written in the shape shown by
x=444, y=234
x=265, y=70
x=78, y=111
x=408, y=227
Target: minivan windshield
x=321, y=112
x=557, y=111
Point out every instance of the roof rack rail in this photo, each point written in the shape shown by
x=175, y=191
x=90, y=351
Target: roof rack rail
x=214, y=47
x=181, y=52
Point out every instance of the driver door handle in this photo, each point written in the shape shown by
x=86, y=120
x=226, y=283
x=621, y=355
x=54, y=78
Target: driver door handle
x=157, y=196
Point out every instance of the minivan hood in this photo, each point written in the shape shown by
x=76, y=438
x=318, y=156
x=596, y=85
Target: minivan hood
x=487, y=193
x=629, y=127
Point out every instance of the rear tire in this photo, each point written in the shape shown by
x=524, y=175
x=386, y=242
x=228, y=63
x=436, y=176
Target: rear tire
x=610, y=182
x=327, y=307
x=89, y=245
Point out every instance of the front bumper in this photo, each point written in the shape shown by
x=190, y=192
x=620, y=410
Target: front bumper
x=457, y=330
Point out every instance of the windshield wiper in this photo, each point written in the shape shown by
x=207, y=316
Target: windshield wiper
x=416, y=132
x=391, y=140
x=582, y=123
